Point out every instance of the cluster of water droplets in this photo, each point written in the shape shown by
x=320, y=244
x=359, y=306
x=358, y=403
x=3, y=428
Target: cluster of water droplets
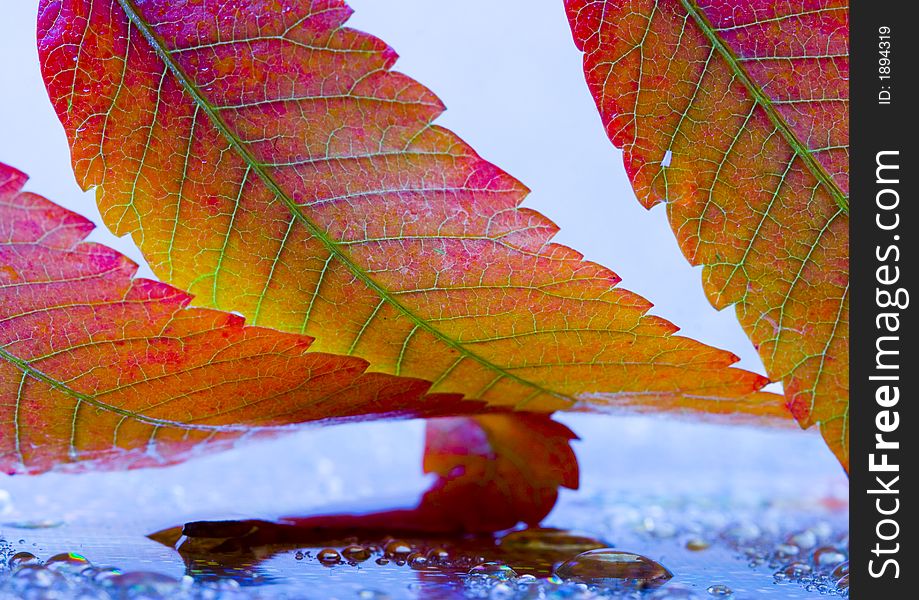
x=815, y=557
x=71, y=576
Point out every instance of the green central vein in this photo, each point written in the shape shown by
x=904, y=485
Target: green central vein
x=767, y=104
x=331, y=245
x=31, y=371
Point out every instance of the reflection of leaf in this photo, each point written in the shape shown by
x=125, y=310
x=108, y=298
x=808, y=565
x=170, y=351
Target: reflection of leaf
x=736, y=115
x=267, y=160
x=96, y=366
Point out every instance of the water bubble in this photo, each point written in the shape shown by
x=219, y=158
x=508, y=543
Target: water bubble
x=299, y=555
x=720, y=591
x=606, y=565
x=843, y=583
x=355, y=553
x=67, y=562
x=382, y=561
x=329, y=556
x=397, y=549
x=22, y=558
x=697, y=544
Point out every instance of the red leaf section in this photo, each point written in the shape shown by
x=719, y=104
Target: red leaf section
x=101, y=370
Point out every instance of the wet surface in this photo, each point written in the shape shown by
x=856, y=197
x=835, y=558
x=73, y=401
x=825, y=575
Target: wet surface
x=742, y=534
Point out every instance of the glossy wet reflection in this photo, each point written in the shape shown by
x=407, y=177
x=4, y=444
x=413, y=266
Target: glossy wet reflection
x=255, y=552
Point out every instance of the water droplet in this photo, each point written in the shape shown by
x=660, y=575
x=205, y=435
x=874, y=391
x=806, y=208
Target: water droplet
x=34, y=524
x=6, y=503
x=828, y=556
x=697, y=544
x=36, y=576
x=538, y=539
x=493, y=571
x=397, y=549
x=786, y=551
x=355, y=553
x=418, y=561
x=438, y=555
x=796, y=570
x=674, y=592
x=329, y=556
x=501, y=591
x=143, y=584
x=805, y=540
x=67, y=562
x=101, y=574
x=843, y=583
x=382, y=561
x=658, y=528
x=841, y=569
x=743, y=533
x=719, y=590
x=602, y=566
x=299, y=555
x=21, y=559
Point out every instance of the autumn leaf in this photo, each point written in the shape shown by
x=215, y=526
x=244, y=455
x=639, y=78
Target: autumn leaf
x=99, y=370
x=736, y=115
x=266, y=159
x=493, y=472
x=496, y=470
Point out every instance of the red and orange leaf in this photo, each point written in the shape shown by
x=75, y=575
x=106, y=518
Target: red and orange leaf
x=493, y=472
x=267, y=159
x=497, y=470
x=736, y=115
x=101, y=370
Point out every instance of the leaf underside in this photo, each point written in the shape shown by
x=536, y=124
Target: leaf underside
x=736, y=115
x=267, y=159
x=101, y=370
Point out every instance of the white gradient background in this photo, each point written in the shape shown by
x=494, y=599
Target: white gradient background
x=511, y=79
